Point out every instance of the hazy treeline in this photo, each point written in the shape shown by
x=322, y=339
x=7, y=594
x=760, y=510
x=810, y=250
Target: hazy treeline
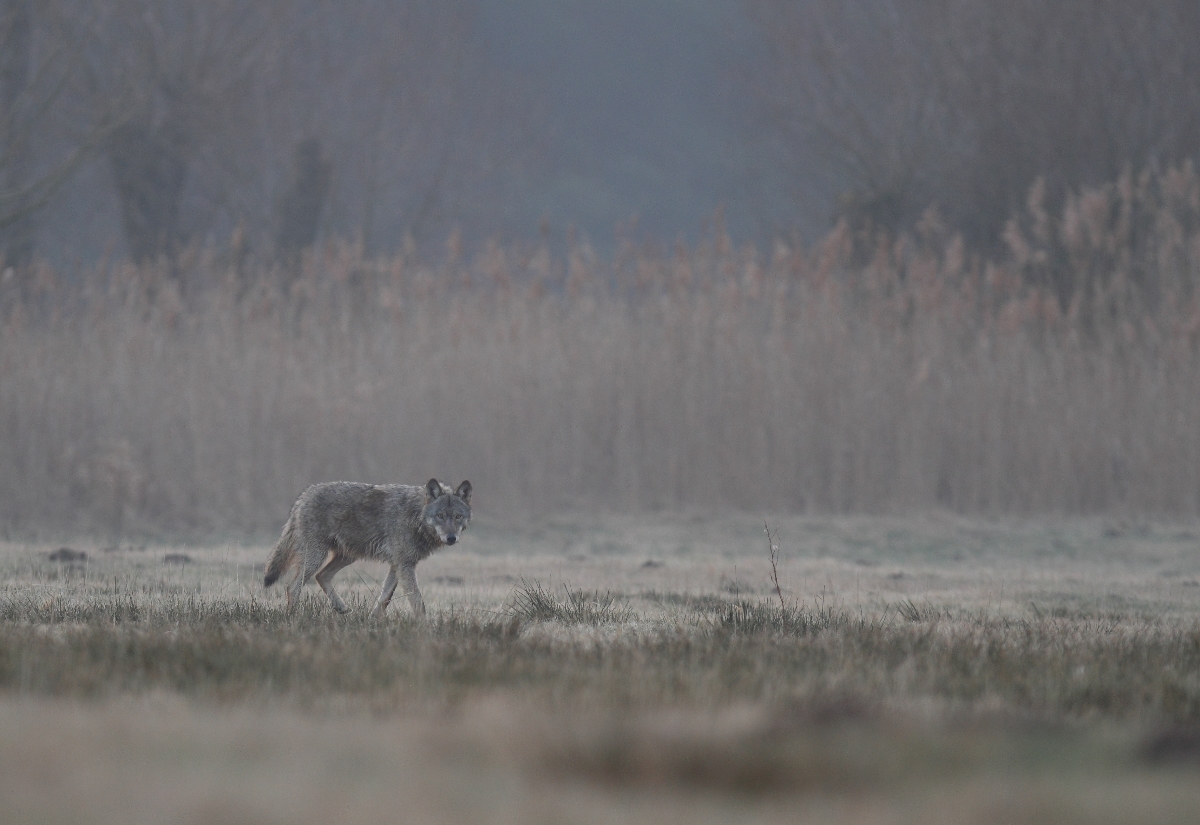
x=894, y=105
x=862, y=374
x=192, y=120
x=140, y=126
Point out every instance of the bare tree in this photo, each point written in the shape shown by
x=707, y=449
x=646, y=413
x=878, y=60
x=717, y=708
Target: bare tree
x=298, y=210
x=899, y=104
x=1074, y=91
x=174, y=76
x=196, y=110
x=414, y=118
x=16, y=36
x=849, y=100
x=36, y=64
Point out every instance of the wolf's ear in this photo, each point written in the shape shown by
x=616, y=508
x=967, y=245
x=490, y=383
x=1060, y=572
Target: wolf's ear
x=433, y=489
x=464, y=491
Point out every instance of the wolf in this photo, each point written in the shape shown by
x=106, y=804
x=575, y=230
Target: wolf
x=345, y=521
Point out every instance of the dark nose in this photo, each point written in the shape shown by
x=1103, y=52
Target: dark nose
x=451, y=539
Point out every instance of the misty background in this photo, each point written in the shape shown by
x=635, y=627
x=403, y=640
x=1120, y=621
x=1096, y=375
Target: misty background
x=831, y=255
x=503, y=119
x=507, y=119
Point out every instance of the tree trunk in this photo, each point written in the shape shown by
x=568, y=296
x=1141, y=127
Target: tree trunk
x=149, y=165
x=16, y=36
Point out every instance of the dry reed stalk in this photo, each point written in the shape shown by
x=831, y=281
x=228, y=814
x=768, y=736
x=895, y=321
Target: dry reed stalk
x=774, y=555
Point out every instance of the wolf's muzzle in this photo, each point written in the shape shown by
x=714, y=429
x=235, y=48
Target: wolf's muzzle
x=450, y=539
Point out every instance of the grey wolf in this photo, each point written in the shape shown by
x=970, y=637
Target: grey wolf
x=343, y=521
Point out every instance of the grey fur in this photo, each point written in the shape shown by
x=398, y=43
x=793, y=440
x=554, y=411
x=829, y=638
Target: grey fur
x=396, y=523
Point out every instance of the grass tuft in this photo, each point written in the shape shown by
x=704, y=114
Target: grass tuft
x=109, y=635
x=532, y=601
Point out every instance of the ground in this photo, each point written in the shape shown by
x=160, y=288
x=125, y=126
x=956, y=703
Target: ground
x=595, y=668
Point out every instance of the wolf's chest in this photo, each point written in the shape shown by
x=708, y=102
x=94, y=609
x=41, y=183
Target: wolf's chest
x=425, y=543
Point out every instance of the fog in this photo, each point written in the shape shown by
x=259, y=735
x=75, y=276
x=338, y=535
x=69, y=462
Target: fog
x=867, y=256
x=138, y=127
x=636, y=111
x=502, y=119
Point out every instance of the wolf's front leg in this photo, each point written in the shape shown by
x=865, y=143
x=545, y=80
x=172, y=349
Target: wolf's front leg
x=385, y=595
x=410, y=589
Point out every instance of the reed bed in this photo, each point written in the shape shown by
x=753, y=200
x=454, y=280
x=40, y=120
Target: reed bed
x=866, y=373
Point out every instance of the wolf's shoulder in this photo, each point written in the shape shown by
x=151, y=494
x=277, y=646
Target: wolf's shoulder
x=335, y=489
x=405, y=492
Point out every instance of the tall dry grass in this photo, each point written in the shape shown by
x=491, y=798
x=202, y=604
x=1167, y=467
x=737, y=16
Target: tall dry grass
x=862, y=374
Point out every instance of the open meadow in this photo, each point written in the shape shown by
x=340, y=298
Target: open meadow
x=820, y=382
x=982, y=475
x=597, y=668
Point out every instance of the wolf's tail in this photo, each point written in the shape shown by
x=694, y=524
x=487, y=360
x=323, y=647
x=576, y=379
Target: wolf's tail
x=285, y=550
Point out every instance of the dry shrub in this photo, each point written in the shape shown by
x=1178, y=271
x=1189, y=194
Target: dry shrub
x=864, y=374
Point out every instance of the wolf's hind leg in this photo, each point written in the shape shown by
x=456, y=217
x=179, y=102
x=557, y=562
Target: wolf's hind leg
x=412, y=591
x=293, y=589
x=309, y=562
x=385, y=595
x=325, y=579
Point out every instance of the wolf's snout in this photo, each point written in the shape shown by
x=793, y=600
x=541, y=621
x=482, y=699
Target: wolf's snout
x=451, y=539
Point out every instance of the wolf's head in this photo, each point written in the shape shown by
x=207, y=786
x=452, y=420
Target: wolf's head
x=447, y=511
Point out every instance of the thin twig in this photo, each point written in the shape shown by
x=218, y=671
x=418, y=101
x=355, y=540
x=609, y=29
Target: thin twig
x=774, y=565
